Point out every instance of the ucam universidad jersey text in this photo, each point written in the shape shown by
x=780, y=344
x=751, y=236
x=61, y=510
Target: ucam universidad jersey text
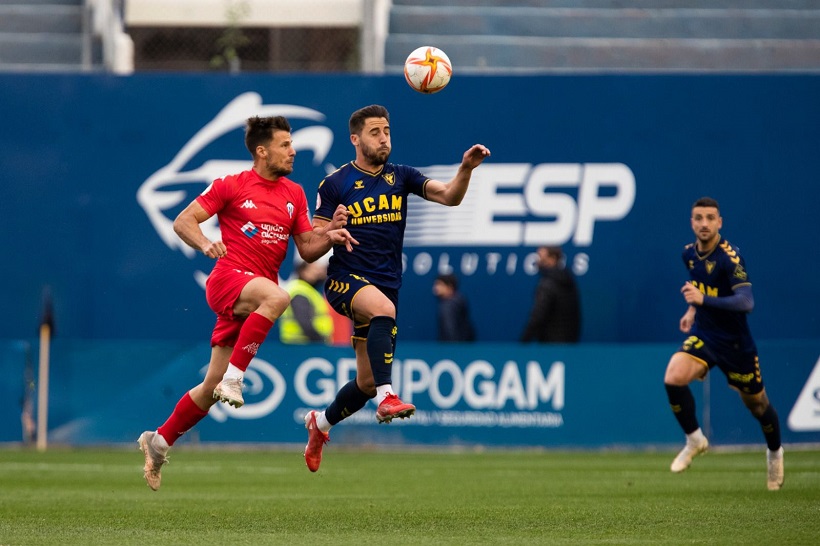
x=377, y=206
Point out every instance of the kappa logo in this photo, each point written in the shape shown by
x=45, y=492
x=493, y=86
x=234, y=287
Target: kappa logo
x=805, y=415
x=191, y=171
x=248, y=204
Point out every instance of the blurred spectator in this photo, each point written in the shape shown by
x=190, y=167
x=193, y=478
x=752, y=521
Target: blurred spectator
x=307, y=319
x=556, y=310
x=454, y=322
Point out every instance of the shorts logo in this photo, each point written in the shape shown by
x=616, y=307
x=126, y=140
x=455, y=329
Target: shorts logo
x=250, y=230
x=742, y=377
x=340, y=287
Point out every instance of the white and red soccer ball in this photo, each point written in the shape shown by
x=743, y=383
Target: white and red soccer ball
x=428, y=69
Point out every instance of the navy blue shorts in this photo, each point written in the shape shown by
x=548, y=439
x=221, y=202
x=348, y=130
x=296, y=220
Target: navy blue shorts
x=341, y=289
x=742, y=369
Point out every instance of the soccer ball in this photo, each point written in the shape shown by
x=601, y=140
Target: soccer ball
x=428, y=69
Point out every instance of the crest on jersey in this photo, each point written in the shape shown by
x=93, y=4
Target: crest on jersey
x=390, y=178
x=740, y=273
x=710, y=266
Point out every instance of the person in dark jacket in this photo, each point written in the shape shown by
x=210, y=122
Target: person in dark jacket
x=556, y=310
x=454, y=322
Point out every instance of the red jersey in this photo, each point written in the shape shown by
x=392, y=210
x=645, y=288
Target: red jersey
x=256, y=217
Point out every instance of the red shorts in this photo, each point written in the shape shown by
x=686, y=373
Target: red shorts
x=222, y=290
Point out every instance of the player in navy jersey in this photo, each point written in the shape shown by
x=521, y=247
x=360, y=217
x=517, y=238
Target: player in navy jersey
x=259, y=211
x=364, y=284
x=719, y=295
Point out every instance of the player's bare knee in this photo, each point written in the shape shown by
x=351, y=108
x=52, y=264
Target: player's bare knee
x=683, y=369
x=274, y=303
x=672, y=379
x=677, y=376
x=387, y=310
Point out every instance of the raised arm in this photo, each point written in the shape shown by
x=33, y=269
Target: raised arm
x=452, y=193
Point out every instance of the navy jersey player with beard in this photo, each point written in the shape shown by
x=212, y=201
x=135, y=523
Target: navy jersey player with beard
x=377, y=212
x=719, y=295
x=363, y=284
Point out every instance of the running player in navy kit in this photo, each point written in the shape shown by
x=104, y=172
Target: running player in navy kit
x=364, y=284
x=719, y=295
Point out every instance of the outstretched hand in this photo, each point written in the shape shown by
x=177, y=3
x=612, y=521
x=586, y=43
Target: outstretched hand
x=475, y=156
x=342, y=237
x=335, y=229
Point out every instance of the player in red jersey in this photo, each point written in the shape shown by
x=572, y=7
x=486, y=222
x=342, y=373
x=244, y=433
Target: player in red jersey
x=258, y=210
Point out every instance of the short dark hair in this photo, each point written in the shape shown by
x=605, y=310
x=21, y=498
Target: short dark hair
x=259, y=131
x=449, y=279
x=706, y=202
x=373, y=111
x=554, y=251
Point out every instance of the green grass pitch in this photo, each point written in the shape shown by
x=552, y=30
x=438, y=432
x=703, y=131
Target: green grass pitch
x=232, y=496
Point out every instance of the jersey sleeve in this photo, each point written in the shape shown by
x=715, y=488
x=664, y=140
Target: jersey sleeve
x=327, y=199
x=685, y=256
x=215, y=196
x=735, y=266
x=739, y=276
x=301, y=219
x=414, y=180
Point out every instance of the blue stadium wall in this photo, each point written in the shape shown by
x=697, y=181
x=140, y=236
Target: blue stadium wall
x=96, y=167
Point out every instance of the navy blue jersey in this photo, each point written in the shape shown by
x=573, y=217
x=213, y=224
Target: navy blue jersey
x=377, y=205
x=717, y=274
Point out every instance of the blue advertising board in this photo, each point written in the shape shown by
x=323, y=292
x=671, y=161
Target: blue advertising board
x=95, y=168
x=495, y=395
